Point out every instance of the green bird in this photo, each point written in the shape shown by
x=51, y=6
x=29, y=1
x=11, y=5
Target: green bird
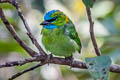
x=59, y=35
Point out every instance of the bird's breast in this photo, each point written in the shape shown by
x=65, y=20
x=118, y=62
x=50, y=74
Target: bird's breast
x=58, y=43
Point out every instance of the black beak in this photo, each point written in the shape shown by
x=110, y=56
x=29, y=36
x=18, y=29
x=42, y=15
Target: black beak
x=45, y=23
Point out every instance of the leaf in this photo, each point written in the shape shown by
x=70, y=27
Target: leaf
x=7, y=6
x=89, y=3
x=98, y=67
x=111, y=44
x=6, y=47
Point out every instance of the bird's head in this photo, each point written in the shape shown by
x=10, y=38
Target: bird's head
x=54, y=19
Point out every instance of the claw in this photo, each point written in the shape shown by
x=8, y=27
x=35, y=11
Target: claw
x=71, y=59
x=48, y=58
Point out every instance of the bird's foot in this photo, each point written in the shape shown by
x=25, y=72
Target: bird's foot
x=48, y=58
x=71, y=59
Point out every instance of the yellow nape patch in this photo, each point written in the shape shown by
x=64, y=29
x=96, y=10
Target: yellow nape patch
x=66, y=19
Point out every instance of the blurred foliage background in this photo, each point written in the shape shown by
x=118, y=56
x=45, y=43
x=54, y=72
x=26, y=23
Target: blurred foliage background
x=106, y=15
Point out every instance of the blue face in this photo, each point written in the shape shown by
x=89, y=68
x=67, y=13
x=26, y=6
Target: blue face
x=50, y=26
x=48, y=17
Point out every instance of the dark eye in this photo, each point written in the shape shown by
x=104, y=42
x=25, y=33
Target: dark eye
x=51, y=20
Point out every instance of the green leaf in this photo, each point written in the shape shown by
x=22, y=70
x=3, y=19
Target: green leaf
x=89, y=3
x=6, y=47
x=7, y=6
x=98, y=67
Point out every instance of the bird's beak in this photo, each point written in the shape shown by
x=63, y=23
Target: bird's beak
x=45, y=23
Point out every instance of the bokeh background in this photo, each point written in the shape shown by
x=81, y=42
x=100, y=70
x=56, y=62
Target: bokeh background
x=106, y=15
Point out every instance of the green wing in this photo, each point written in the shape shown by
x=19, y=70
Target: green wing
x=70, y=31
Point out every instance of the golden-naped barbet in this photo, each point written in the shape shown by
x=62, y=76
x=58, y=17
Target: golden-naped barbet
x=59, y=35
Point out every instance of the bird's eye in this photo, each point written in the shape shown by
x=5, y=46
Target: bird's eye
x=51, y=20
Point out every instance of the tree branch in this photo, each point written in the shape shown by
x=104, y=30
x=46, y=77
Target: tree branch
x=15, y=36
x=29, y=33
x=98, y=53
x=26, y=70
x=19, y=63
x=56, y=60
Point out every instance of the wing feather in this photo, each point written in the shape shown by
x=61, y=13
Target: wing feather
x=70, y=31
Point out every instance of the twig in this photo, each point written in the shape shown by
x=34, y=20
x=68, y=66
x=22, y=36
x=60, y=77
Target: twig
x=56, y=60
x=19, y=63
x=14, y=34
x=29, y=33
x=97, y=50
x=26, y=70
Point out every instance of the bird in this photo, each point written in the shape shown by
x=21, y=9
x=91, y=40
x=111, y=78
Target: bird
x=59, y=35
